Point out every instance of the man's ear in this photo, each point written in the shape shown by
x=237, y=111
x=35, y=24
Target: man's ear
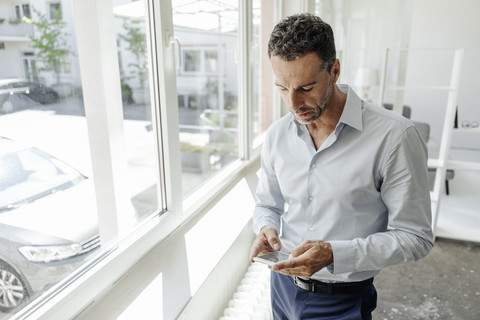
x=335, y=71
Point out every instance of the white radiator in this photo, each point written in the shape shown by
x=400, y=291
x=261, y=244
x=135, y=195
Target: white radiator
x=251, y=301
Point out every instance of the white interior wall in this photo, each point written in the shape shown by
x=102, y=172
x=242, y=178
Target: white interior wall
x=447, y=24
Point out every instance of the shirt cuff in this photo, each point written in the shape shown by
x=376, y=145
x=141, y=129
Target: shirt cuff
x=343, y=257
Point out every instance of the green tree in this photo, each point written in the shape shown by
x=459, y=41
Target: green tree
x=137, y=45
x=49, y=42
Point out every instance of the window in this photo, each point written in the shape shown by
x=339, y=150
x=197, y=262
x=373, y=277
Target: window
x=54, y=10
x=29, y=66
x=115, y=148
x=54, y=165
x=26, y=10
x=200, y=61
x=209, y=125
x=192, y=60
x=22, y=10
x=261, y=84
x=140, y=132
x=211, y=61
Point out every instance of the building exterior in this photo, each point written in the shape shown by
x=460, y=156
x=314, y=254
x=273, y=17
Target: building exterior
x=17, y=56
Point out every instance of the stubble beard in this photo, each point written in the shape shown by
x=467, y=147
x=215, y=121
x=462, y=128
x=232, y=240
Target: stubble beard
x=316, y=111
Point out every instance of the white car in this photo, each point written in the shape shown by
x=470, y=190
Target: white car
x=48, y=222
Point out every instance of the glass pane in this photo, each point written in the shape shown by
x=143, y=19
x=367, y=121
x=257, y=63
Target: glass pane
x=211, y=61
x=256, y=68
x=26, y=10
x=55, y=9
x=18, y=14
x=192, y=60
x=48, y=212
x=207, y=87
x=137, y=107
x=261, y=84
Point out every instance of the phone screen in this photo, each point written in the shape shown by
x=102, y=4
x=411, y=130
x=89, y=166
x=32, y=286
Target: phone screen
x=272, y=257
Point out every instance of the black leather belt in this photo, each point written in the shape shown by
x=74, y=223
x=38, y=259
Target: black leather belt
x=332, y=288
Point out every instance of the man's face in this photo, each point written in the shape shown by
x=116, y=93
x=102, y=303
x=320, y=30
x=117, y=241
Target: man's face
x=303, y=86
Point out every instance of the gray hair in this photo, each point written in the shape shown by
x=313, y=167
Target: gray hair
x=299, y=34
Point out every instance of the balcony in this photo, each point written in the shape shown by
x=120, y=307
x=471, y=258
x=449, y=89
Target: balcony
x=15, y=31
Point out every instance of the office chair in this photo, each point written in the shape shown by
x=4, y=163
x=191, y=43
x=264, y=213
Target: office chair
x=424, y=130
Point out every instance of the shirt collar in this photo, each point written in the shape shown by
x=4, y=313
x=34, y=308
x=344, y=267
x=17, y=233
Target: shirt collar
x=352, y=112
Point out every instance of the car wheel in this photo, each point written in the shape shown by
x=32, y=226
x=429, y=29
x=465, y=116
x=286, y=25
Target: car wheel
x=13, y=291
x=7, y=107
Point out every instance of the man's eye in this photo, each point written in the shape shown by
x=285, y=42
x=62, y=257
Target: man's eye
x=306, y=89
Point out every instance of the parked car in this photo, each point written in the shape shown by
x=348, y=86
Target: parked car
x=48, y=222
x=21, y=93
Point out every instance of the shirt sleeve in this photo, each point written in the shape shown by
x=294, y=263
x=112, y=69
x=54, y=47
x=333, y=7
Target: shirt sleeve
x=270, y=202
x=406, y=194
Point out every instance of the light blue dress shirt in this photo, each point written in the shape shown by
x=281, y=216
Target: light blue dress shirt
x=365, y=190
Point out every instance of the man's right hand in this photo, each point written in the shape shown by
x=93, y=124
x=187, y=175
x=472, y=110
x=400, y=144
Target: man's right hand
x=267, y=241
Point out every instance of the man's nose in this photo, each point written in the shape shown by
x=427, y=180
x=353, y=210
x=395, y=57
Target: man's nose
x=295, y=100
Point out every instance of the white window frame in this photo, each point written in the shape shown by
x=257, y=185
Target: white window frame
x=122, y=248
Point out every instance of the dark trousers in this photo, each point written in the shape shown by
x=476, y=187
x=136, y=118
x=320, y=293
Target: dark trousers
x=290, y=302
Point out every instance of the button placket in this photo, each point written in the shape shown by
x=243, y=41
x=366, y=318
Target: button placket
x=309, y=213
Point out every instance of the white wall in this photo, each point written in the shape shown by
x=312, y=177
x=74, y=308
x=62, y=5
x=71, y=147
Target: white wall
x=13, y=54
x=447, y=24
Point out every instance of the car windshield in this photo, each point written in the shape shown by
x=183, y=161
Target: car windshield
x=30, y=174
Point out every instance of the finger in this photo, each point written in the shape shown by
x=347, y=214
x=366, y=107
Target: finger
x=253, y=252
x=287, y=265
x=273, y=240
x=301, y=249
x=258, y=248
x=266, y=241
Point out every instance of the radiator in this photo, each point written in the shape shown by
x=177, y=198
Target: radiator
x=251, y=300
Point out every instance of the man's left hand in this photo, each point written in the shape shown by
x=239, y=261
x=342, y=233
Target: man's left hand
x=308, y=258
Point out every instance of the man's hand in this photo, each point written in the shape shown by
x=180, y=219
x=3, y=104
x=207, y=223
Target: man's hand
x=267, y=241
x=308, y=258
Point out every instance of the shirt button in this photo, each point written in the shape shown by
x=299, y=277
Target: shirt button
x=314, y=165
x=311, y=198
x=310, y=229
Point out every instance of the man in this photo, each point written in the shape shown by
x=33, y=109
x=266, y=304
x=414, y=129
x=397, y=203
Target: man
x=347, y=171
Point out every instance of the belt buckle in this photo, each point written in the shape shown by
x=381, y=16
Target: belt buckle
x=297, y=282
x=304, y=284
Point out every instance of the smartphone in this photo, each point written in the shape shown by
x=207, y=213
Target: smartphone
x=272, y=257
